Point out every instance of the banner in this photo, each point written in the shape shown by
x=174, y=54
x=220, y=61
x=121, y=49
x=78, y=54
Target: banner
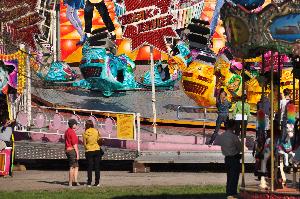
x=125, y=128
x=148, y=23
x=21, y=21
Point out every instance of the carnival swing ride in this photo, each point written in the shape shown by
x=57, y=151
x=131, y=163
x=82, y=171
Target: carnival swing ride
x=261, y=42
x=30, y=37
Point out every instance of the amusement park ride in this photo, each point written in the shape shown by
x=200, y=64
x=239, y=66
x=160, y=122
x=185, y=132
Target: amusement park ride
x=261, y=58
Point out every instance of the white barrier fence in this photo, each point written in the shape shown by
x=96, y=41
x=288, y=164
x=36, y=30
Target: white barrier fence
x=49, y=123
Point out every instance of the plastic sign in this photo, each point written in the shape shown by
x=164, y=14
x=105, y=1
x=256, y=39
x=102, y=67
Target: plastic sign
x=125, y=128
x=148, y=23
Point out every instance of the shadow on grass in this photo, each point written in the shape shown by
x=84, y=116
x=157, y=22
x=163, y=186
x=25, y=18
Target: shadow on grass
x=55, y=182
x=170, y=196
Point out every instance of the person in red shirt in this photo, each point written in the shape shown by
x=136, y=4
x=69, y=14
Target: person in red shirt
x=71, y=143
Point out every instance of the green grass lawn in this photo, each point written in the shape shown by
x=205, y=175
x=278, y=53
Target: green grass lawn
x=143, y=192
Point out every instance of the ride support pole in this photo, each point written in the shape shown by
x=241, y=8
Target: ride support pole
x=153, y=90
x=243, y=125
x=278, y=87
x=138, y=120
x=272, y=121
x=28, y=89
x=57, y=31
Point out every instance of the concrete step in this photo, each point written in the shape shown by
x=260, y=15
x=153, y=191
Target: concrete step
x=150, y=141
x=171, y=143
x=161, y=146
x=147, y=157
x=182, y=139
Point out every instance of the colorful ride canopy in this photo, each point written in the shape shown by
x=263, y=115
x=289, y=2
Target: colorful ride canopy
x=276, y=27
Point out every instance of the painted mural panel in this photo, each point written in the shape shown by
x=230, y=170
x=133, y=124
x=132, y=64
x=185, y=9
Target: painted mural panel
x=183, y=10
x=286, y=28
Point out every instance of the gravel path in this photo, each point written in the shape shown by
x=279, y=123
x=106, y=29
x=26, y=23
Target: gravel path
x=53, y=180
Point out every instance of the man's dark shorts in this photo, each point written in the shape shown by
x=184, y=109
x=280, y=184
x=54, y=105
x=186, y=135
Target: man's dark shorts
x=71, y=156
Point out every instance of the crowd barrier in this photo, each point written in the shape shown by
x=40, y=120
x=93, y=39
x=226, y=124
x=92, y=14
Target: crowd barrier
x=48, y=124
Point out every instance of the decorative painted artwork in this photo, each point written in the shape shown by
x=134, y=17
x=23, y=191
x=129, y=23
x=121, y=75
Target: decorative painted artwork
x=286, y=28
x=184, y=11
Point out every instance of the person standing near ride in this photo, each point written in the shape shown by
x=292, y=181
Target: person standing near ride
x=6, y=131
x=91, y=139
x=223, y=106
x=283, y=116
x=286, y=98
x=231, y=147
x=72, y=152
x=263, y=105
x=72, y=8
x=237, y=114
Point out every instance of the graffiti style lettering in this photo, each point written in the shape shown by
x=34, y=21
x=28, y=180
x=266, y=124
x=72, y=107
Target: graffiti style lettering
x=187, y=74
x=194, y=87
x=204, y=79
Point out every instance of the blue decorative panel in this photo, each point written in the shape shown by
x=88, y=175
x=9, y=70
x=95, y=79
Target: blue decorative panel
x=286, y=28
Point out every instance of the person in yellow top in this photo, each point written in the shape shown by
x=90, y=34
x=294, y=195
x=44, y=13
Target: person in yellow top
x=91, y=138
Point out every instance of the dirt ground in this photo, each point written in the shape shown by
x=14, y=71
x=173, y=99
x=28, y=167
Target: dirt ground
x=52, y=180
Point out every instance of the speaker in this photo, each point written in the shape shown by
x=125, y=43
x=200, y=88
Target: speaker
x=98, y=39
x=198, y=29
x=197, y=38
x=99, y=36
x=98, y=43
x=199, y=21
x=206, y=58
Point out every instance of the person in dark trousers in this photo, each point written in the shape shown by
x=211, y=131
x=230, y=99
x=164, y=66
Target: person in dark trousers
x=91, y=139
x=237, y=114
x=283, y=113
x=223, y=106
x=231, y=148
x=103, y=11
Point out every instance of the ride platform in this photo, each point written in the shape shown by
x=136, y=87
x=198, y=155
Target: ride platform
x=167, y=102
x=178, y=140
x=254, y=192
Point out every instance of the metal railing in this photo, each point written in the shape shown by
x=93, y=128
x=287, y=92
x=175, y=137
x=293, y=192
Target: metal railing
x=203, y=119
x=64, y=114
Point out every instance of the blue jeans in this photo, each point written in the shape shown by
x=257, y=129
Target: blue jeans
x=221, y=118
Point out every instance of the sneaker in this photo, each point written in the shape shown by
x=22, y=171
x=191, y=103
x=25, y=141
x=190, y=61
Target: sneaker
x=113, y=37
x=210, y=143
x=97, y=185
x=82, y=40
x=88, y=185
x=232, y=197
x=71, y=187
x=76, y=184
